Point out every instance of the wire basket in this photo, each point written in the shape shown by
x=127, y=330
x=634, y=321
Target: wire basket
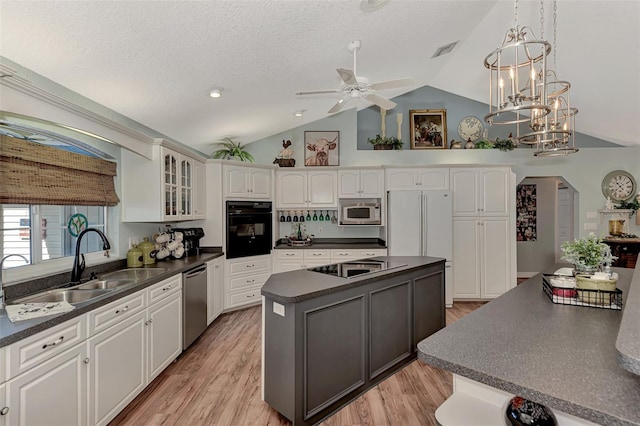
x=603, y=299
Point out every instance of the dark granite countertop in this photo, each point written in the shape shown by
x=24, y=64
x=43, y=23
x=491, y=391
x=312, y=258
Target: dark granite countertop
x=337, y=243
x=628, y=341
x=299, y=285
x=558, y=355
x=11, y=332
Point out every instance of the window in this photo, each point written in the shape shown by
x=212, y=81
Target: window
x=45, y=232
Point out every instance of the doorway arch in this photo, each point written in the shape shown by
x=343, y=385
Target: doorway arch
x=553, y=219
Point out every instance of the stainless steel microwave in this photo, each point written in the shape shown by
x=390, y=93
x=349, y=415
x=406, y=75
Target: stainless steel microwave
x=359, y=212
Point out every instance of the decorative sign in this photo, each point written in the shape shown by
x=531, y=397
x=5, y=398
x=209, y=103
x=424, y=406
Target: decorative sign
x=77, y=223
x=526, y=205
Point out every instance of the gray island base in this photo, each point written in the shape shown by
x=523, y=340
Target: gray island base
x=328, y=339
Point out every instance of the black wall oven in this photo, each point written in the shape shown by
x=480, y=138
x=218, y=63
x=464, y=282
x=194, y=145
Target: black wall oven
x=248, y=228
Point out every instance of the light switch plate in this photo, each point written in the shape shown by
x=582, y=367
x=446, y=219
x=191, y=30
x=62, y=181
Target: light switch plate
x=592, y=215
x=278, y=309
x=590, y=226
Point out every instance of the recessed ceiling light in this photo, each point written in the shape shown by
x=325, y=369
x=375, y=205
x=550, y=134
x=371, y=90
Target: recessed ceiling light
x=371, y=5
x=299, y=113
x=215, y=93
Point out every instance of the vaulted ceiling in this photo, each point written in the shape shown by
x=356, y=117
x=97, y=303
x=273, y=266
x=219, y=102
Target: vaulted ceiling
x=156, y=61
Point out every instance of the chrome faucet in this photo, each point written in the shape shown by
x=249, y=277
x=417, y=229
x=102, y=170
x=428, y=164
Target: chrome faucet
x=1, y=285
x=78, y=266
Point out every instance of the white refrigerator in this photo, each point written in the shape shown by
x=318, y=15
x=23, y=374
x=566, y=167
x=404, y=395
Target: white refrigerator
x=419, y=223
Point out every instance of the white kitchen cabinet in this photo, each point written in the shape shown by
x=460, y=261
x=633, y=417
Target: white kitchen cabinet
x=199, y=190
x=215, y=288
x=164, y=333
x=244, y=277
x=481, y=257
x=246, y=182
x=117, y=372
x=4, y=408
x=427, y=178
x=481, y=191
x=307, y=190
x=361, y=183
x=159, y=190
x=291, y=260
x=52, y=393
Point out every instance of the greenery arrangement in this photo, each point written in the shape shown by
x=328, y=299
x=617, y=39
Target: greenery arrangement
x=392, y=141
x=634, y=205
x=504, y=144
x=588, y=253
x=483, y=144
x=230, y=149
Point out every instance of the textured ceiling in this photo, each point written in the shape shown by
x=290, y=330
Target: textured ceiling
x=155, y=62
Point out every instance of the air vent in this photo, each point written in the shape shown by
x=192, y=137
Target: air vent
x=443, y=50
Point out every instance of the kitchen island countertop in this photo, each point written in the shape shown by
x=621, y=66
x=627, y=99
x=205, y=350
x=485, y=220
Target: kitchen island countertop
x=558, y=355
x=296, y=286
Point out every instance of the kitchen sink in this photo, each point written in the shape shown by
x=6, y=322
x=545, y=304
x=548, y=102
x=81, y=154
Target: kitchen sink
x=103, y=284
x=134, y=274
x=71, y=296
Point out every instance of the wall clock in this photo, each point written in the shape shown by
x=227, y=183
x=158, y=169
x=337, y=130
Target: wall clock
x=619, y=185
x=470, y=128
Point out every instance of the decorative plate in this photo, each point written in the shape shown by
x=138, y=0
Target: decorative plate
x=470, y=128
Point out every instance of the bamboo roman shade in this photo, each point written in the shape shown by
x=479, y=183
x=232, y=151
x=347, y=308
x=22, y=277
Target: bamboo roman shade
x=31, y=173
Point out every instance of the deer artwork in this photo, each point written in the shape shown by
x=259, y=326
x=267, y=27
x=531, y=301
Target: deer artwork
x=284, y=158
x=321, y=147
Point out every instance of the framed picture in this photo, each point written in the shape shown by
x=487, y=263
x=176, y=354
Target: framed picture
x=321, y=148
x=428, y=128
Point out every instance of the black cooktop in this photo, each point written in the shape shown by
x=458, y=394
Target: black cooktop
x=356, y=268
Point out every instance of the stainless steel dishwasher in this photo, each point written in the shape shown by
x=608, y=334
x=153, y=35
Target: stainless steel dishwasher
x=194, y=304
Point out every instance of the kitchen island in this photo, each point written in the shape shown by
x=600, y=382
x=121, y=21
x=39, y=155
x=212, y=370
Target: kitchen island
x=328, y=339
x=561, y=356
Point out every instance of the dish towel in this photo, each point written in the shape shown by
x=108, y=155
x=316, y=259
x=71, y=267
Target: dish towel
x=25, y=311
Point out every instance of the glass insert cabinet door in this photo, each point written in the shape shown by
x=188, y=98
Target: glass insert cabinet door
x=170, y=185
x=186, y=179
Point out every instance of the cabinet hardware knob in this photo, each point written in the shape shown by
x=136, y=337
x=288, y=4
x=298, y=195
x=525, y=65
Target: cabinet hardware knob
x=166, y=288
x=250, y=266
x=217, y=266
x=4, y=411
x=125, y=309
x=86, y=360
x=250, y=295
x=57, y=342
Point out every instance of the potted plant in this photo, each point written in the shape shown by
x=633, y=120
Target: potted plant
x=387, y=142
x=231, y=150
x=588, y=255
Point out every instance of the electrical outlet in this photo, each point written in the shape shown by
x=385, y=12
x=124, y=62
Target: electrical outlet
x=590, y=226
x=319, y=229
x=278, y=309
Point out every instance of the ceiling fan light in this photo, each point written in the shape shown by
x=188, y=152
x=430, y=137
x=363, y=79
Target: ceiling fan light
x=215, y=93
x=299, y=113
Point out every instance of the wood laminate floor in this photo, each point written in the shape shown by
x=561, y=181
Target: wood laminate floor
x=217, y=382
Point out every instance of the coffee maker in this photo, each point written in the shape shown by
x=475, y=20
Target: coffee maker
x=190, y=239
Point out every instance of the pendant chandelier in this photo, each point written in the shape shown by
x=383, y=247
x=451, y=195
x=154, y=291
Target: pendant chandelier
x=518, y=73
x=554, y=134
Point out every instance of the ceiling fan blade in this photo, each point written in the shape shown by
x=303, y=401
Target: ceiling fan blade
x=318, y=92
x=380, y=101
x=338, y=106
x=347, y=76
x=392, y=84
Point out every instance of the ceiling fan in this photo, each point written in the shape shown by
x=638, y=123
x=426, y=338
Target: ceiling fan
x=354, y=86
